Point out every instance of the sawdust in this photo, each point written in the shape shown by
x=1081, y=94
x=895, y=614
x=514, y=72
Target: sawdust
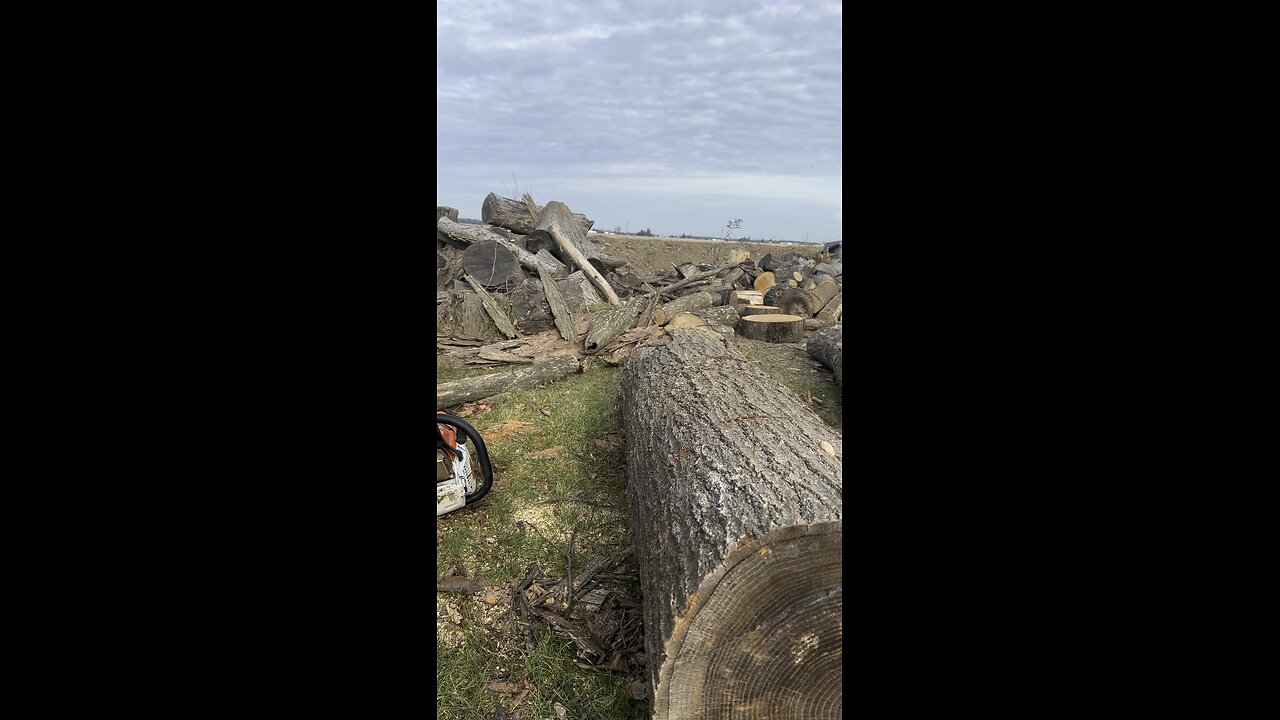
x=510, y=428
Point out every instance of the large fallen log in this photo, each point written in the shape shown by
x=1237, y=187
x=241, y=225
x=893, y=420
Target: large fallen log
x=463, y=235
x=518, y=216
x=734, y=488
x=825, y=346
x=522, y=378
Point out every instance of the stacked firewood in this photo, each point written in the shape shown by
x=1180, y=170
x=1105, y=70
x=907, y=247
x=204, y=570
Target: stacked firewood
x=534, y=269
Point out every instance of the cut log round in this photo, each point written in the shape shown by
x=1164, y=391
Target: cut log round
x=764, y=281
x=491, y=264
x=522, y=378
x=825, y=345
x=736, y=511
x=748, y=310
x=772, y=328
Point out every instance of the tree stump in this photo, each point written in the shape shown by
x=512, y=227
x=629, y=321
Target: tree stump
x=748, y=310
x=825, y=346
x=736, y=511
x=772, y=328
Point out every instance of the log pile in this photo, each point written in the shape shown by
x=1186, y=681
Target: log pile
x=533, y=268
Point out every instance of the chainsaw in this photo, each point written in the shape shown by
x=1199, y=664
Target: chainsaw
x=456, y=465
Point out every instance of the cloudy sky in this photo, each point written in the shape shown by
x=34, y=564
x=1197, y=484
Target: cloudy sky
x=675, y=116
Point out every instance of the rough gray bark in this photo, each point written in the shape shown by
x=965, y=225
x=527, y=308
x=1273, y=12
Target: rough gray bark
x=825, y=346
x=772, y=328
x=529, y=308
x=721, y=315
x=609, y=324
x=791, y=300
x=736, y=512
x=464, y=234
x=522, y=378
x=490, y=306
x=578, y=292
x=446, y=211
x=539, y=236
x=570, y=247
x=516, y=215
x=462, y=315
x=692, y=301
x=492, y=265
x=559, y=309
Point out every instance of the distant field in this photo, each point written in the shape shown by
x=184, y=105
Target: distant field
x=652, y=254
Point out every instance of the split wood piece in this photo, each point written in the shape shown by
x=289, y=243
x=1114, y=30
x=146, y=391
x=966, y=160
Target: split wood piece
x=825, y=346
x=540, y=237
x=719, y=323
x=446, y=211
x=686, y=321
x=587, y=269
x=491, y=264
x=764, y=281
x=491, y=306
x=610, y=323
x=551, y=263
x=831, y=311
x=498, y=356
x=456, y=392
x=824, y=291
x=735, y=506
x=792, y=301
x=731, y=277
x=620, y=349
x=738, y=298
x=516, y=215
x=692, y=301
x=772, y=328
x=559, y=309
x=577, y=634
x=748, y=310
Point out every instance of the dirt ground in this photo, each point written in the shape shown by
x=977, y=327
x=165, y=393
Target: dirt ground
x=652, y=254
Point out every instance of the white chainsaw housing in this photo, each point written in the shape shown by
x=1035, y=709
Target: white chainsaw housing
x=452, y=494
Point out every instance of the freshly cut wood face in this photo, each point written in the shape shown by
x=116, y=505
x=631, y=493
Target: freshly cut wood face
x=774, y=318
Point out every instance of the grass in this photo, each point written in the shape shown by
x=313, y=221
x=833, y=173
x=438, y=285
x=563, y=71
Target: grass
x=553, y=474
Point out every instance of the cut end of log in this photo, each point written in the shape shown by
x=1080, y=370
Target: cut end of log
x=748, y=648
x=764, y=281
x=748, y=310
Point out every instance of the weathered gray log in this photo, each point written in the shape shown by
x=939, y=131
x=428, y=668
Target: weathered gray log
x=748, y=310
x=772, y=328
x=693, y=301
x=517, y=216
x=791, y=300
x=833, y=268
x=768, y=262
x=446, y=211
x=604, y=263
x=726, y=315
x=463, y=315
x=567, y=245
x=559, y=309
x=578, y=292
x=464, y=234
x=529, y=309
x=825, y=346
x=522, y=378
x=736, y=511
x=499, y=318
x=492, y=265
x=610, y=323
x=825, y=291
x=551, y=263
x=831, y=311
x=540, y=236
